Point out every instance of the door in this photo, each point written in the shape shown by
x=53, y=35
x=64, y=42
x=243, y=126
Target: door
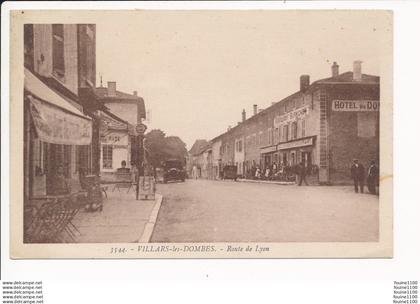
x=306, y=158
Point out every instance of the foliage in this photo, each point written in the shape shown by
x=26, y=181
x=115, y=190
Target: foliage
x=161, y=147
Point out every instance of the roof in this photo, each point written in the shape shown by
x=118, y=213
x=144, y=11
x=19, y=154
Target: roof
x=344, y=78
x=102, y=93
x=347, y=77
x=198, y=146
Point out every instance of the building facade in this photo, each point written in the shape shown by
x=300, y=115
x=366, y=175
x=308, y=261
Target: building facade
x=61, y=123
x=325, y=124
x=120, y=141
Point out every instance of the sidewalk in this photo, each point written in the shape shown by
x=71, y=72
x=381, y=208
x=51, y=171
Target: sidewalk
x=123, y=219
x=264, y=181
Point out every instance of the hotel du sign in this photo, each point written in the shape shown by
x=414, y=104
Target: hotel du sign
x=355, y=105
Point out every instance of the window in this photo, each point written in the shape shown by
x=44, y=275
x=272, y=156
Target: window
x=303, y=128
x=240, y=146
x=28, y=39
x=84, y=159
x=270, y=136
x=285, y=132
x=294, y=130
x=107, y=156
x=86, y=59
x=58, y=50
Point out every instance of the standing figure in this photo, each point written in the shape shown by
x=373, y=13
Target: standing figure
x=267, y=173
x=123, y=168
x=372, y=177
x=258, y=173
x=194, y=172
x=358, y=175
x=301, y=170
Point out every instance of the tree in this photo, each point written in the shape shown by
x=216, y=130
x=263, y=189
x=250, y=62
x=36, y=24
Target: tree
x=176, y=148
x=159, y=148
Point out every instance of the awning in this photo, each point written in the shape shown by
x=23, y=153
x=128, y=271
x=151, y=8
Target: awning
x=56, y=120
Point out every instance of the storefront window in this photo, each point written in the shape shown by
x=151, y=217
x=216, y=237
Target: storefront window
x=107, y=156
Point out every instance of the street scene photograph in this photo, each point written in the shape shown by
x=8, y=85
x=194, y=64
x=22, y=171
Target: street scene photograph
x=204, y=127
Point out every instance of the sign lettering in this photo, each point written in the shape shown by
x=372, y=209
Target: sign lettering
x=355, y=105
x=291, y=116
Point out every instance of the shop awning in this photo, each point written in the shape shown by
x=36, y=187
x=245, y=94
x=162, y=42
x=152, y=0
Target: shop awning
x=56, y=120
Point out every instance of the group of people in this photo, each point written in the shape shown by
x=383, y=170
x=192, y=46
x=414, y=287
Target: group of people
x=271, y=172
x=300, y=172
x=358, y=175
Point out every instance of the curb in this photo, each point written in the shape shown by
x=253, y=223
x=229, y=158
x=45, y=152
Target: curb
x=150, y=225
x=265, y=182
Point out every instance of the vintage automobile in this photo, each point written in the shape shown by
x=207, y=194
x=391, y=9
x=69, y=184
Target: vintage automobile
x=230, y=172
x=173, y=171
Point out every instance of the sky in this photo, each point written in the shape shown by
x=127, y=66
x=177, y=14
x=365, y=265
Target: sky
x=197, y=70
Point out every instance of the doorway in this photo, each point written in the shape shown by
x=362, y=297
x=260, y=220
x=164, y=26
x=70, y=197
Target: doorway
x=306, y=158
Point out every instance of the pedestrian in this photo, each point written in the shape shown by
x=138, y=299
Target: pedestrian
x=372, y=177
x=301, y=170
x=274, y=168
x=358, y=175
x=194, y=172
x=123, y=168
x=258, y=173
x=267, y=173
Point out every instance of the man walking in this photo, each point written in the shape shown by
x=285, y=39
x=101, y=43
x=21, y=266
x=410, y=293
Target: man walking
x=358, y=175
x=372, y=177
x=302, y=173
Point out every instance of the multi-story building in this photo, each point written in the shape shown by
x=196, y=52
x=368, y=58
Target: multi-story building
x=197, y=157
x=120, y=141
x=61, y=123
x=325, y=124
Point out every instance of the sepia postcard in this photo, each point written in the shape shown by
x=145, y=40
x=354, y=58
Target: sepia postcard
x=201, y=134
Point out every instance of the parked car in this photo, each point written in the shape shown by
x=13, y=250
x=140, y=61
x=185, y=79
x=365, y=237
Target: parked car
x=173, y=171
x=230, y=172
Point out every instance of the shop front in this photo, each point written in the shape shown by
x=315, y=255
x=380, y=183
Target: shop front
x=268, y=156
x=296, y=151
x=57, y=141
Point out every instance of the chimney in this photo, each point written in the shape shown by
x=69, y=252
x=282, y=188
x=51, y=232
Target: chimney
x=304, y=82
x=243, y=115
x=112, y=88
x=255, y=109
x=334, y=69
x=357, y=70
x=229, y=128
x=135, y=93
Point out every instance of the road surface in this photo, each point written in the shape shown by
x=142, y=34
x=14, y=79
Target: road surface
x=228, y=211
